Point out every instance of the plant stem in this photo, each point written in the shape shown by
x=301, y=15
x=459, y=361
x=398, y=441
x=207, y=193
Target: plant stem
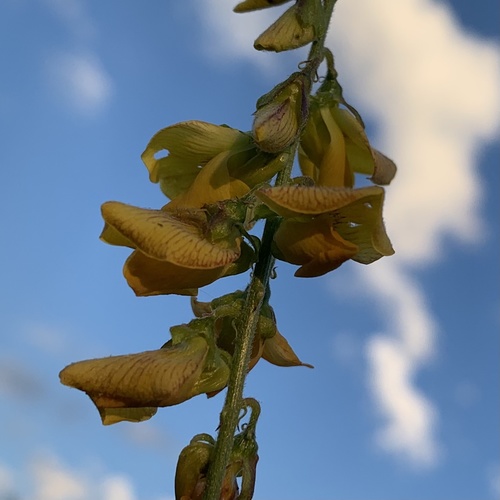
x=251, y=311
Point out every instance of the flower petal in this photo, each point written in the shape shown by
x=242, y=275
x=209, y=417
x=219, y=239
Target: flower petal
x=294, y=201
x=147, y=276
x=313, y=244
x=170, y=237
x=163, y=377
x=195, y=142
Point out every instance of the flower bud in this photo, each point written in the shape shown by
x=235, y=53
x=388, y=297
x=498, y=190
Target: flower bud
x=281, y=115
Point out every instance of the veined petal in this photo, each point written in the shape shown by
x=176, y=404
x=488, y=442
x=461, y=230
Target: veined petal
x=163, y=377
x=147, y=276
x=312, y=244
x=195, y=142
x=165, y=236
x=294, y=201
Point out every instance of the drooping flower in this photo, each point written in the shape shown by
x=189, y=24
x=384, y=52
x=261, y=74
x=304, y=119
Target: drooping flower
x=323, y=227
x=131, y=387
x=174, y=251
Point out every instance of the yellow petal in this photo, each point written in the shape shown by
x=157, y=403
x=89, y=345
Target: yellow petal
x=166, y=236
x=163, y=377
x=195, y=142
x=385, y=169
x=147, y=276
x=278, y=351
x=313, y=244
x=212, y=184
x=294, y=201
x=361, y=223
x=286, y=33
x=111, y=416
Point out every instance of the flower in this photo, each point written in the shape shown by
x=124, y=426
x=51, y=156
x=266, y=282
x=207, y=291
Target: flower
x=206, y=163
x=324, y=226
x=174, y=251
x=131, y=387
x=334, y=146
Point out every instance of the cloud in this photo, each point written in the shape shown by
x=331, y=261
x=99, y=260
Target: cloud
x=433, y=92
x=6, y=481
x=81, y=81
x=433, y=116
x=493, y=474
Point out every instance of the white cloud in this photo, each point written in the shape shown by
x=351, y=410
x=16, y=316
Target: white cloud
x=6, y=481
x=81, y=80
x=53, y=481
x=49, y=478
x=436, y=101
x=433, y=91
x=117, y=488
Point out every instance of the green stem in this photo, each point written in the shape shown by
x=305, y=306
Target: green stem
x=251, y=311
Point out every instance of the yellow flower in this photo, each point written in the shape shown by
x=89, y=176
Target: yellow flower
x=206, y=163
x=131, y=387
x=175, y=251
x=334, y=146
x=323, y=226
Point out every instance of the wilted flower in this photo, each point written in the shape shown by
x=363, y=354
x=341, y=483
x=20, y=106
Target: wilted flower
x=175, y=251
x=334, y=146
x=323, y=227
x=131, y=387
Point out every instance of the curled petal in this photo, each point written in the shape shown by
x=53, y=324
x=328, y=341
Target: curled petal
x=294, y=201
x=312, y=244
x=189, y=145
x=147, y=276
x=167, y=237
x=163, y=377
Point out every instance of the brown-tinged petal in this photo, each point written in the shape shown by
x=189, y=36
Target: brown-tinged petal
x=294, y=201
x=166, y=236
x=278, y=351
x=313, y=244
x=147, y=276
x=163, y=377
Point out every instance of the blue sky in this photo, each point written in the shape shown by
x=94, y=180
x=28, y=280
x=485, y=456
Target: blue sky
x=403, y=402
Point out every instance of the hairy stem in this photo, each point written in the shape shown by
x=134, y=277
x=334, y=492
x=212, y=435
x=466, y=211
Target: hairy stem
x=255, y=296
